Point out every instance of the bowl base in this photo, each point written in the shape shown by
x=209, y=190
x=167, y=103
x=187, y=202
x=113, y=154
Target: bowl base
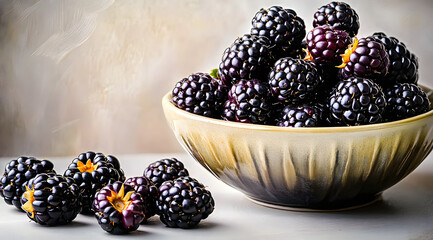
x=349, y=205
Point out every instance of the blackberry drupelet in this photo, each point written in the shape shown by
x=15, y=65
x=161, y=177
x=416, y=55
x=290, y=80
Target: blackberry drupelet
x=184, y=202
x=338, y=15
x=366, y=58
x=92, y=171
x=165, y=170
x=326, y=44
x=17, y=174
x=403, y=67
x=149, y=193
x=200, y=94
x=249, y=102
x=294, y=81
x=51, y=199
x=118, y=208
x=305, y=115
x=248, y=57
x=405, y=100
x=283, y=27
x=356, y=101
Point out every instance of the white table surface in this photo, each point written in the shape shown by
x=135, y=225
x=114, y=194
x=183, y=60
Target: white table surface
x=406, y=212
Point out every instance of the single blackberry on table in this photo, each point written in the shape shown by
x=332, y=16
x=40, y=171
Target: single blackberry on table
x=403, y=67
x=405, y=100
x=51, y=199
x=294, y=81
x=305, y=115
x=366, y=58
x=356, y=101
x=148, y=191
x=118, y=208
x=92, y=171
x=283, y=27
x=200, y=94
x=164, y=170
x=248, y=57
x=17, y=174
x=249, y=102
x=338, y=15
x=184, y=202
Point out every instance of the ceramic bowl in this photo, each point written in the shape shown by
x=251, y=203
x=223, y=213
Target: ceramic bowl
x=326, y=168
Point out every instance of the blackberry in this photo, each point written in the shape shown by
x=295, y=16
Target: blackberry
x=326, y=44
x=118, y=208
x=51, y=199
x=356, y=101
x=294, y=81
x=283, y=27
x=17, y=174
x=305, y=115
x=249, y=102
x=164, y=170
x=148, y=191
x=366, y=58
x=92, y=171
x=184, y=202
x=403, y=67
x=405, y=100
x=338, y=15
x=200, y=94
x=248, y=57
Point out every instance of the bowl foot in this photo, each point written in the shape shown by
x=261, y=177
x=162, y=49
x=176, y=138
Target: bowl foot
x=344, y=206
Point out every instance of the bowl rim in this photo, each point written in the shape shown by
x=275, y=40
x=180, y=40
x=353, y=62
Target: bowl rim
x=166, y=102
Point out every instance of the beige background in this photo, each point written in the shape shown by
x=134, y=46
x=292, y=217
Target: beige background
x=89, y=75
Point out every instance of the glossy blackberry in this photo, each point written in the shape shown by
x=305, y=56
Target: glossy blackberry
x=403, y=67
x=200, y=94
x=366, y=58
x=338, y=15
x=17, y=174
x=248, y=57
x=294, y=81
x=357, y=101
x=326, y=44
x=405, y=100
x=164, y=170
x=283, y=27
x=305, y=115
x=51, y=199
x=249, y=102
x=184, y=202
x=148, y=191
x=92, y=171
x=118, y=208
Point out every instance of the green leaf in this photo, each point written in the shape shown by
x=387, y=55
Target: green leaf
x=214, y=73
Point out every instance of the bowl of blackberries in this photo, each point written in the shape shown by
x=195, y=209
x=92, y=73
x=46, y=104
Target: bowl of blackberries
x=321, y=119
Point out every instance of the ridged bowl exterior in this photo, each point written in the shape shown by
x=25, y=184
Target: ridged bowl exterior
x=319, y=168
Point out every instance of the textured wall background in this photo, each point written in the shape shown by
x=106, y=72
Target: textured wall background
x=89, y=75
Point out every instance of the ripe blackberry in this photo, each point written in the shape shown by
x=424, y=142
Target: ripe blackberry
x=164, y=170
x=118, y=208
x=283, y=27
x=305, y=115
x=17, y=174
x=200, y=94
x=403, y=67
x=338, y=15
x=294, y=81
x=326, y=44
x=51, y=199
x=184, y=202
x=366, y=58
x=248, y=57
x=92, y=171
x=405, y=100
x=249, y=102
x=356, y=101
x=148, y=191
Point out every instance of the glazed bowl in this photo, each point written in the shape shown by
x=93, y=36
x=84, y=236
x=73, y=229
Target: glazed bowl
x=324, y=168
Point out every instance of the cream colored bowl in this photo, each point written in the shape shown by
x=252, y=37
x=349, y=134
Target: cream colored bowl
x=314, y=168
